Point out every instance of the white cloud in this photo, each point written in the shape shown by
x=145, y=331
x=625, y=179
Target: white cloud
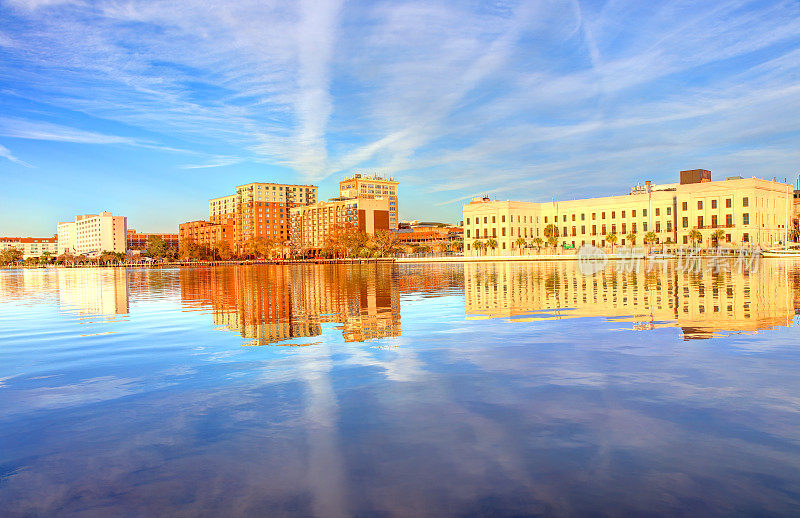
x=5, y=153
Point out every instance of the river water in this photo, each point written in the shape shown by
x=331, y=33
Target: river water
x=496, y=389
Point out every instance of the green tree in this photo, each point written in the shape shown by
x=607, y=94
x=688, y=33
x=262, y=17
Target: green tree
x=384, y=243
x=223, y=250
x=695, y=236
x=156, y=247
x=650, y=238
x=520, y=242
x=538, y=242
x=478, y=245
x=718, y=237
x=11, y=256
x=553, y=241
x=491, y=243
x=631, y=238
x=188, y=249
x=611, y=239
x=550, y=231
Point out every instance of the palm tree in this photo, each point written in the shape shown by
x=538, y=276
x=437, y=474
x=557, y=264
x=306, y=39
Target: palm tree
x=520, y=242
x=695, y=236
x=552, y=241
x=718, y=236
x=611, y=239
x=491, y=243
x=650, y=238
x=538, y=242
x=477, y=245
x=631, y=238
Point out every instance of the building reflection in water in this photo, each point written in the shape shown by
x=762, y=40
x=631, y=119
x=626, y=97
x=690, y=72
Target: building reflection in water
x=89, y=291
x=702, y=304
x=272, y=304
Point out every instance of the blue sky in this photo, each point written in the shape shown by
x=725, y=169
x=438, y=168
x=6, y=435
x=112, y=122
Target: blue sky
x=148, y=108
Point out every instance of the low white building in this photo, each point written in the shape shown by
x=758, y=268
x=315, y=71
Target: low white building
x=30, y=246
x=93, y=234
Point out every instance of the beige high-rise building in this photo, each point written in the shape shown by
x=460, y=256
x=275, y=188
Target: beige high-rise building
x=92, y=234
x=749, y=211
x=260, y=210
x=370, y=187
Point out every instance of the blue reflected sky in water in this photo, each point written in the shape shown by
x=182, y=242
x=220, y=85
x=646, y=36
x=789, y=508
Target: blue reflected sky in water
x=156, y=410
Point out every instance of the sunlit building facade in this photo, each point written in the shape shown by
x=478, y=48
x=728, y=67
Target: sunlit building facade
x=206, y=233
x=313, y=225
x=370, y=187
x=30, y=246
x=138, y=240
x=92, y=234
x=749, y=211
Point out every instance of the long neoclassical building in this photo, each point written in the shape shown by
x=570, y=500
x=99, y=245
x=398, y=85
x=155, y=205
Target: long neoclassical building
x=748, y=210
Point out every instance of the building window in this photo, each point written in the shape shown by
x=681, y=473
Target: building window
x=729, y=220
x=633, y=227
x=503, y=218
x=583, y=217
x=746, y=218
x=633, y=213
x=574, y=231
x=624, y=228
x=713, y=204
x=745, y=202
x=685, y=222
x=594, y=216
x=669, y=211
x=685, y=206
x=644, y=226
x=603, y=215
x=699, y=204
x=594, y=230
x=613, y=214
x=494, y=219
x=467, y=221
x=685, y=240
x=658, y=211
x=573, y=217
x=745, y=237
x=494, y=232
x=485, y=220
x=503, y=231
x=699, y=221
x=623, y=213
x=728, y=203
x=658, y=225
x=467, y=232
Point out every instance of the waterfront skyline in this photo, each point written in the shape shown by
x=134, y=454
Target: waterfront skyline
x=134, y=107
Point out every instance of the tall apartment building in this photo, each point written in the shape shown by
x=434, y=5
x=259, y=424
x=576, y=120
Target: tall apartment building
x=92, y=234
x=260, y=210
x=138, y=240
x=748, y=210
x=313, y=224
x=370, y=187
x=30, y=246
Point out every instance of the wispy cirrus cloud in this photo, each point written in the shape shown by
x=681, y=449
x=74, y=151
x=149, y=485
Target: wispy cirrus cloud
x=6, y=153
x=455, y=96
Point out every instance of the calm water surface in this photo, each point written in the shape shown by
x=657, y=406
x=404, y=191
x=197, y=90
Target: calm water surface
x=491, y=389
